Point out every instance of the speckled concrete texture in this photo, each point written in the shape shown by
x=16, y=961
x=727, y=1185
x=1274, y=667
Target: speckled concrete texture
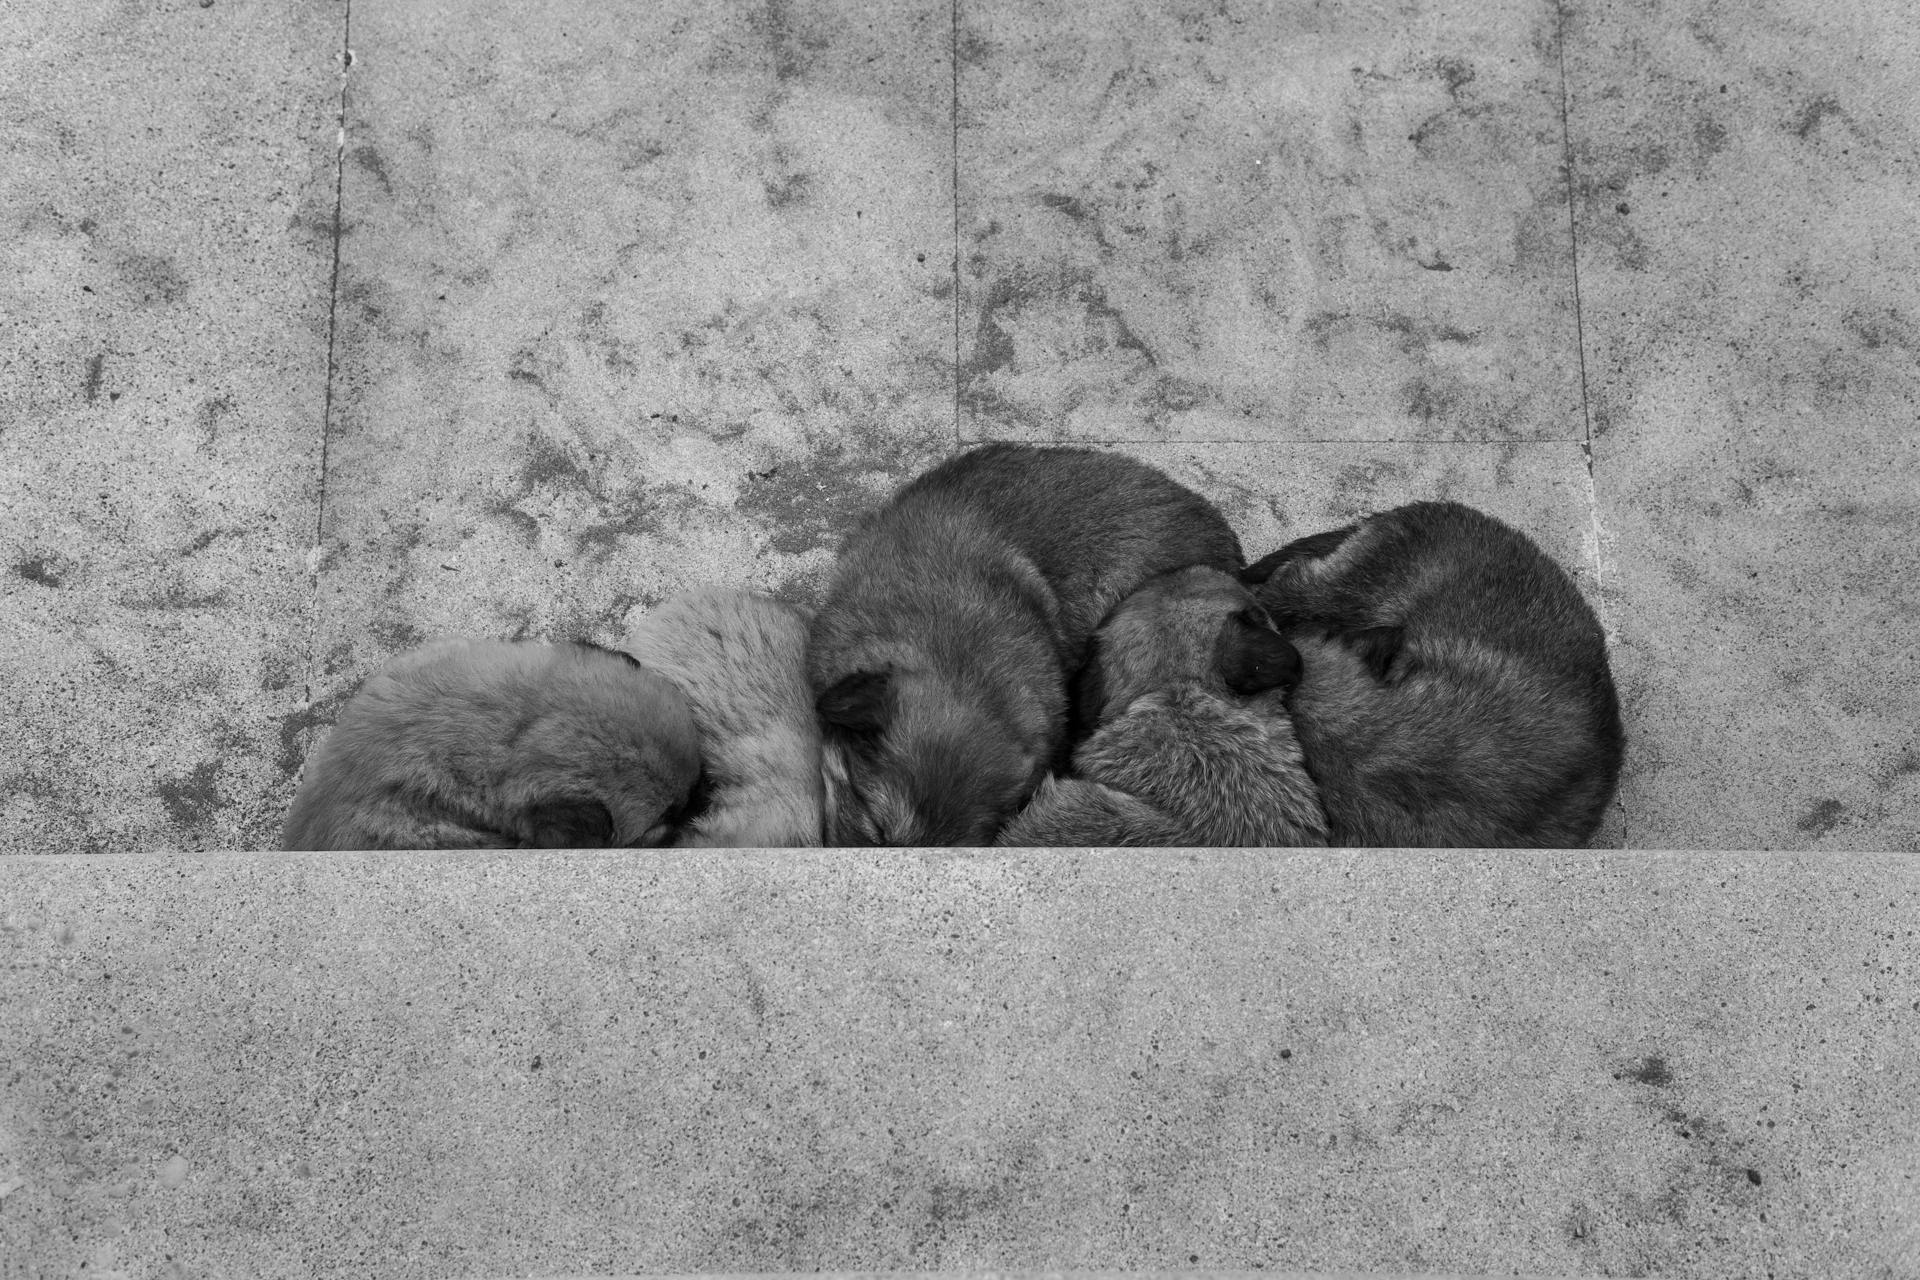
x=1220, y=222
x=1087, y=1274
x=606, y=335
x=165, y=258
x=1745, y=182
x=330, y=333
x=1094, y=1274
x=467, y=1064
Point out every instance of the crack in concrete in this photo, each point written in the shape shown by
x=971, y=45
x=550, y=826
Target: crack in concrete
x=316, y=555
x=1598, y=532
x=1573, y=237
x=954, y=52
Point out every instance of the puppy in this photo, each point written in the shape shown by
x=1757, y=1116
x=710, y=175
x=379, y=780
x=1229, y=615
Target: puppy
x=957, y=613
x=741, y=660
x=1456, y=691
x=483, y=744
x=1193, y=744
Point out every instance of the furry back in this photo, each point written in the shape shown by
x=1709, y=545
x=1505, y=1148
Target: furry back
x=955, y=617
x=1193, y=744
x=1456, y=690
x=498, y=744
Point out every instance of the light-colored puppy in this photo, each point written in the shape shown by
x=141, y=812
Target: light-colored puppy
x=1193, y=744
x=741, y=659
x=481, y=744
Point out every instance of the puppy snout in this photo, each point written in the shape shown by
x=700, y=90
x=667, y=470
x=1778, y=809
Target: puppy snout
x=1260, y=660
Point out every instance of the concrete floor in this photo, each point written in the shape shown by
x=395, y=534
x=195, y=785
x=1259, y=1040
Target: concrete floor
x=434, y=1065
x=589, y=302
x=522, y=317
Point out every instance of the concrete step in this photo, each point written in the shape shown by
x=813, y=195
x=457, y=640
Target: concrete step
x=1108, y=1274
x=618, y=1062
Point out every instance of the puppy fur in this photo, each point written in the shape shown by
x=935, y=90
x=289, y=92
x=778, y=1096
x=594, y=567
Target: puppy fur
x=499, y=744
x=1456, y=689
x=740, y=658
x=956, y=615
x=1193, y=744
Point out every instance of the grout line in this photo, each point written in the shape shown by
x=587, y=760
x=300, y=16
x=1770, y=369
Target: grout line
x=1284, y=443
x=1579, y=323
x=1601, y=603
x=955, y=62
x=1573, y=238
x=333, y=313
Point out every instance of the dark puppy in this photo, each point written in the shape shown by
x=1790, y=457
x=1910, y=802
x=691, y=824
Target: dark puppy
x=741, y=660
x=957, y=613
x=1193, y=744
x=488, y=744
x=1456, y=691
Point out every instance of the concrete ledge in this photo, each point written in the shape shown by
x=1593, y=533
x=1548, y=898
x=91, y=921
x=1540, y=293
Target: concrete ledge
x=603, y=1063
x=1071, y=1275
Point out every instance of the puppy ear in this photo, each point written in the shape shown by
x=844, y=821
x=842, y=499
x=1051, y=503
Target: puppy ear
x=621, y=654
x=1254, y=659
x=1377, y=647
x=568, y=823
x=1311, y=547
x=1257, y=573
x=859, y=704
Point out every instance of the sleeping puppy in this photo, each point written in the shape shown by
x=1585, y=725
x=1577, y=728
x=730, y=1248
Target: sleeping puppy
x=1193, y=744
x=956, y=615
x=1456, y=691
x=740, y=658
x=487, y=744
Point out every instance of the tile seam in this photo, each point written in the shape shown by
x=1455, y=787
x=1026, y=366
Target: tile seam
x=1597, y=532
x=314, y=556
x=1573, y=235
x=953, y=51
x=1279, y=443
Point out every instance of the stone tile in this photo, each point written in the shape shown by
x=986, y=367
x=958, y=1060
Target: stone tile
x=1245, y=222
x=164, y=275
x=517, y=1064
x=1750, y=267
x=641, y=298
x=1274, y=493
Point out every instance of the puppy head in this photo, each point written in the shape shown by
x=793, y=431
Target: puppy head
x=1195, y=626
x=911, y=762
x=607, y=756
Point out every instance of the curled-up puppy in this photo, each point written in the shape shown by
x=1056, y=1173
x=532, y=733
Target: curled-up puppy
x=741, y=660
x=487, y=744
x=1193, y=744
x=1456, y=691
x=956, y=615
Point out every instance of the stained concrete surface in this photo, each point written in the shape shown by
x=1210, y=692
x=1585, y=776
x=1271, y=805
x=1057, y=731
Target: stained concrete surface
x=520, y=318
x=1097, y=1275
x=167, y=203
x=1750, y=272
x=588, y=303
x=1105, y=1275
x=515, y=1064
x=1264, y=223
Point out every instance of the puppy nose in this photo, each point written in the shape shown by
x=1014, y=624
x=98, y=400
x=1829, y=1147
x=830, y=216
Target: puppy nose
x=1265, y=660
